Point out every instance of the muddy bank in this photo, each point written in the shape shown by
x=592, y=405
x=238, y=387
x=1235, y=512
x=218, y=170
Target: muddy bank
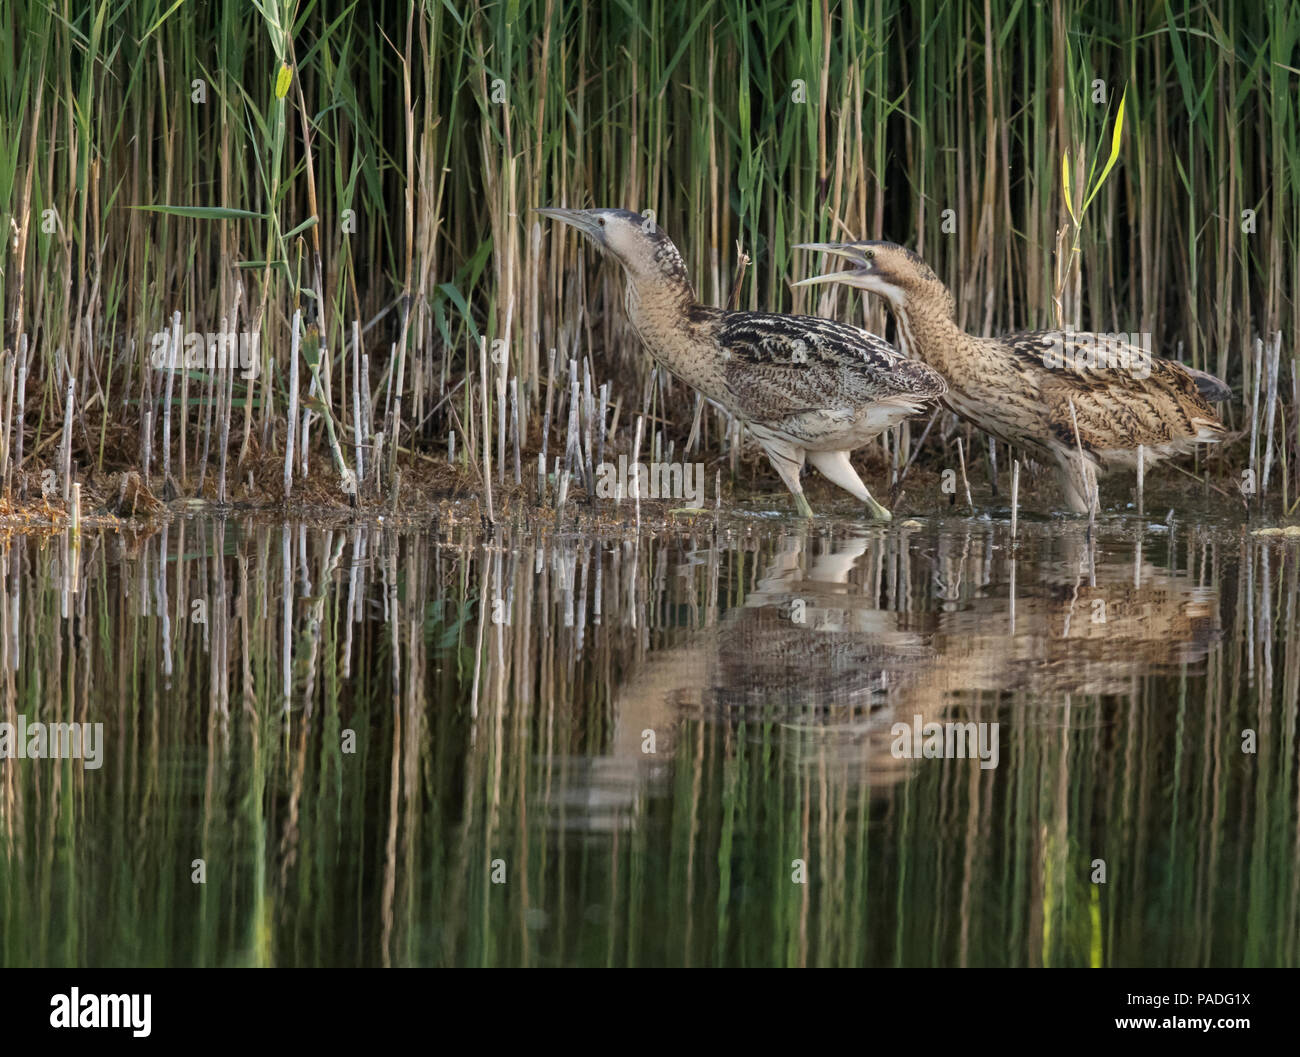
x=427, y=487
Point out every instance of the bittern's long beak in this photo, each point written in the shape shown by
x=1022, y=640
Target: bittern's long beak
x=578, y=218
x=846, y=250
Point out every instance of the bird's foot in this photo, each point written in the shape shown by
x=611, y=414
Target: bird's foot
x=801, y=506
x=878, y=512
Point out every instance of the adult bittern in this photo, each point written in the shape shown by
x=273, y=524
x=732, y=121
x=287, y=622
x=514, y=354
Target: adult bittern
x=1083, y=401
x=806, y=388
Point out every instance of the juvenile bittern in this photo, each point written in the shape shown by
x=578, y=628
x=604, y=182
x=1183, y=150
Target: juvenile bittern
x=1083, y=401
x=806, y=388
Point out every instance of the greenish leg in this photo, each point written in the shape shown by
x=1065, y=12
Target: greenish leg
x=788, y=460
x=878, y=512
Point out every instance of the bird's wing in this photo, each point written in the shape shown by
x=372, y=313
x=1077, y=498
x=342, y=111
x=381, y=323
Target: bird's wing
x=1119, y=394
x=776, y=366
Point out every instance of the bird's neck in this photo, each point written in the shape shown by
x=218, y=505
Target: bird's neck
x=928, y=332
x=661, y=309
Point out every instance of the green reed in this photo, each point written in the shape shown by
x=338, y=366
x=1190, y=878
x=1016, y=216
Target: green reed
x=150, y=166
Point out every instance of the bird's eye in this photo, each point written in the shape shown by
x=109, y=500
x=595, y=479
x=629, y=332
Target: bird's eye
x=600, y=221
x=870, y=254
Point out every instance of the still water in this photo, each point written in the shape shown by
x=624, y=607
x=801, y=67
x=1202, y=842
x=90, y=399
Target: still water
x=361, y=745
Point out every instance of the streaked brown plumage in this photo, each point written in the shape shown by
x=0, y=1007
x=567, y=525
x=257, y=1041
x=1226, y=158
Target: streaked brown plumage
x=806, y=388
x=1030, y=389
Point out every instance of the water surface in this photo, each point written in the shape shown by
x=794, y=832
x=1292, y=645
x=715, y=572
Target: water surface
x=358, y=745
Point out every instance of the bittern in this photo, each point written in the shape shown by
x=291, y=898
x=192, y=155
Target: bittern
x=1086, y=402
x=805, y=388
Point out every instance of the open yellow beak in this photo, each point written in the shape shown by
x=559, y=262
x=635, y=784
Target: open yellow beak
x=838, y=249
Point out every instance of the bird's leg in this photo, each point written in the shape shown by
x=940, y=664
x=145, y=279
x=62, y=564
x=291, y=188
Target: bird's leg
x=836, y=468
x=1078, y=481
x=788, y=461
